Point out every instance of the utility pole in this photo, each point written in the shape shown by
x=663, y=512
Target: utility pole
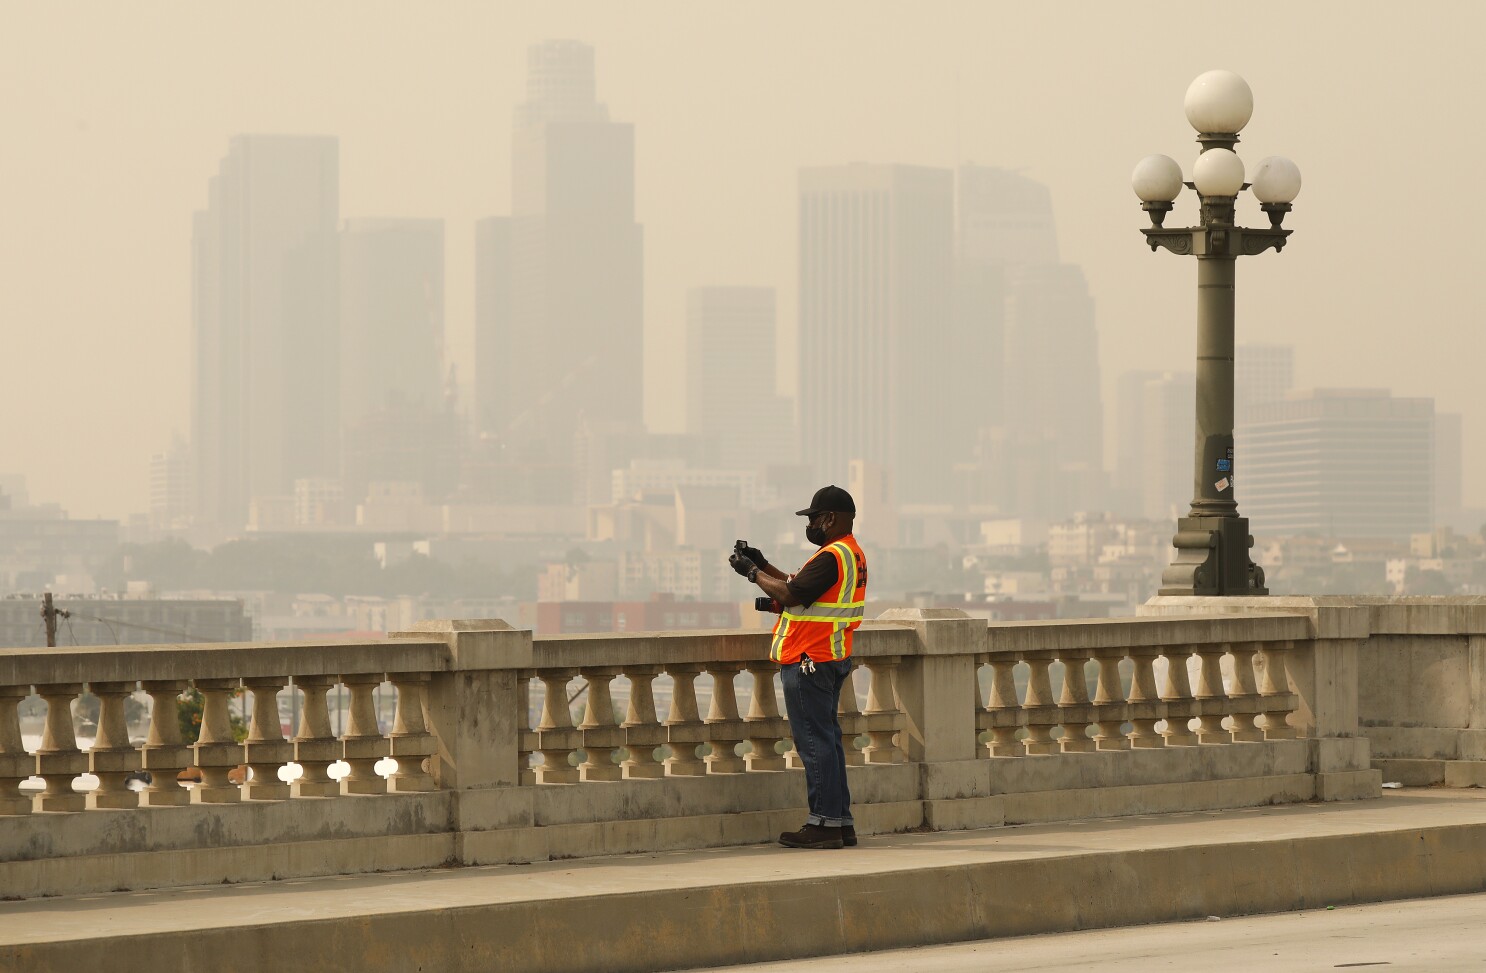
x=49, y=616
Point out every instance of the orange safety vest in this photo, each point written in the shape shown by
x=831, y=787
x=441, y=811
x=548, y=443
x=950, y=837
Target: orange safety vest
x=823, y=630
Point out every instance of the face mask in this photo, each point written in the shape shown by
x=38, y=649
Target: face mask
x=816, y=535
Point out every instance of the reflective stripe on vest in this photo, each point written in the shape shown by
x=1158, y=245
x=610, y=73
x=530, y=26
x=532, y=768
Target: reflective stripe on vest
x=825, y=626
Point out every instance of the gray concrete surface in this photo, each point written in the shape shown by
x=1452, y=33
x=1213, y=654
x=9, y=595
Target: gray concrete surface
x=1435, y=935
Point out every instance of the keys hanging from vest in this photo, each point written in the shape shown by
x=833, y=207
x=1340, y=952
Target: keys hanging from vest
x=807, y=664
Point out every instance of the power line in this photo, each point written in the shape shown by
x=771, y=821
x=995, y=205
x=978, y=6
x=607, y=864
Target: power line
x=110, y=622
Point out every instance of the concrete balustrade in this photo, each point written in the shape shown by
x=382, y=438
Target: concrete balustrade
x=509, y=748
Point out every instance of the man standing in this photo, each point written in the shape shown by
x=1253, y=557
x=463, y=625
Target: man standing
x=823, y=606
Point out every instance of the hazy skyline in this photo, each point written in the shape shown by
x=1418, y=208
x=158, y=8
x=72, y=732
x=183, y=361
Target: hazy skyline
x=117, y=117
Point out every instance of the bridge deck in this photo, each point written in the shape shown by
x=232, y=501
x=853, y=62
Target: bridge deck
x=735, y=905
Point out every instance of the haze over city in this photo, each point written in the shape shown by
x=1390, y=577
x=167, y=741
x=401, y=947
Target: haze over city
x=116, y=118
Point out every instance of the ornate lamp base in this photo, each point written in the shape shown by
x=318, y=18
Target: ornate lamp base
x=1212, y=558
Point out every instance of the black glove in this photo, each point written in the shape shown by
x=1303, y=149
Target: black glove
x=744, y=566
x=755, y=555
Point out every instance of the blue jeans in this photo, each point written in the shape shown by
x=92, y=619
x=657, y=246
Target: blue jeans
x=810, y=699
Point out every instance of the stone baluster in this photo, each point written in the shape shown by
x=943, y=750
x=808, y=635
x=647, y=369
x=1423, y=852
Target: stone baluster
x=315, y=745
x=1245, y=703
x=882, y=716
x=15, y=763
x=1144, y=707
x=1109, y=703
x=1073, y=701
x=410, y=743
x=58, y=759
x=526, y=745
x=601, y=732
x=1212, y=700
x=725, y=728
x=112, y=758
x=215, y=752
x=265, y=750
x=643, y=732
x=164, y=755
x=363, y=745
x=1177, y=695
x=1042, y=713
x=763, y=724
x=1277, y=699
x=1004, y=709
x=557, y=738
x=684, y=727
x=849, y=718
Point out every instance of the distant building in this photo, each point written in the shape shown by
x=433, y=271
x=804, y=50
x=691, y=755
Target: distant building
x=41, y=546
x=665, y=476
x=876, y=262
x=171, y=496
x=1449, y=447
x=559, y=325
x=265, y=322
x=1342, y=463
x=730, y=363
x=1053, y=410
x=392, y=316
x=1026, y=356
x=660, y=613
x=1262, y=373
x=126, y=621
x=1169, y=416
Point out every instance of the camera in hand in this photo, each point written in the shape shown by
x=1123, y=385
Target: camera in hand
x=764, y=603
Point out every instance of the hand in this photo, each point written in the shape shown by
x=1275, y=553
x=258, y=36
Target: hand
x=744, y=566
x=756, y=556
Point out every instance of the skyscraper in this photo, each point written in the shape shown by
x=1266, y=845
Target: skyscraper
x=1261, y=373
x=1155, y=421
x=392, y=315
x=265, y=392
x=1342, y=463
x=730, y=361
x=567, y=281
x=1169, y=413
x=1027, y=353
x=876, y=263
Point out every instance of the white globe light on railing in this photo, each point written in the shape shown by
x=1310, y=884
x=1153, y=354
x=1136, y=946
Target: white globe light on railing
x=1276, y=180
x=1218, y=172
x=1157, y=179
x=1219, y=102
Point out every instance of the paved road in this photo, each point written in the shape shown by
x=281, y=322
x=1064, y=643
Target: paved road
x=1434, y=935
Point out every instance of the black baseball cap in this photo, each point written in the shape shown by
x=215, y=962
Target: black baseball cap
x=829, y=498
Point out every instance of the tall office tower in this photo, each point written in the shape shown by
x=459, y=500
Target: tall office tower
x=171, y=496
x=1449, y=448
x=876, y=259
x=1261, y=373
x=1129, y=445
x=573, y=264
x=1004, y=219
x=731, y=405
x=1027, y=322
x=392, y=316
x=1054, y=416
x=499, y=350
x=1343, y=463
x=265, y=391
x=1169, y=409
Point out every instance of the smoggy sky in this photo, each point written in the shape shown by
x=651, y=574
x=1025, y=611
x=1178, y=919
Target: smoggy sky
x=115, y=115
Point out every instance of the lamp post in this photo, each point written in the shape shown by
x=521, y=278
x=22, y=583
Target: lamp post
x=1212, y=542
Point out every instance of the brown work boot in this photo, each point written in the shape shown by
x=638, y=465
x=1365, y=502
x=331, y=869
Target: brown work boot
x=812, y=836
x=849, y=836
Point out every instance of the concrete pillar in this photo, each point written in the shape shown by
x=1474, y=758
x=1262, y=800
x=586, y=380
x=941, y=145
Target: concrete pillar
x=473, y=708
x=936, y=688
